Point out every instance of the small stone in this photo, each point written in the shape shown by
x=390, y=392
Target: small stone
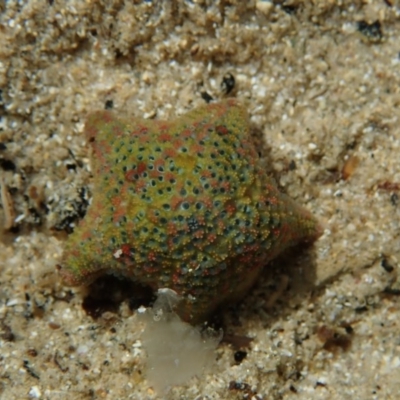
x=228, y=83
x=371, y=31
x=34, y=392
x=240, y=355
x=264, y=6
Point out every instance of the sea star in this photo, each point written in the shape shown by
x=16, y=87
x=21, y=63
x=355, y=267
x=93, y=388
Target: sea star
x=183, y=205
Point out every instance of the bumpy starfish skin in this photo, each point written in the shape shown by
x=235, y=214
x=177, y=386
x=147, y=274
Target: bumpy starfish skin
x=183, y=205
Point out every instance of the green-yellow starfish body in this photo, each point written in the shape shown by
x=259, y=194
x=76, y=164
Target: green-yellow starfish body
x=183, y=205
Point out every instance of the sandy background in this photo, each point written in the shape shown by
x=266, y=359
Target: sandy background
x=321, y=81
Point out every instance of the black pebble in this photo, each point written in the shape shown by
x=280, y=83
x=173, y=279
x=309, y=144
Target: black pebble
x=109, y=104
x=228, y=83
x=206, y=97
x=371, y=31
x=386, y=266
x=71, y=167
x=394, y=199
x=289, y=9
x=240, y=356
x=7, y=165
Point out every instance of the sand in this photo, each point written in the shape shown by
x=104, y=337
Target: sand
x=321, y=81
